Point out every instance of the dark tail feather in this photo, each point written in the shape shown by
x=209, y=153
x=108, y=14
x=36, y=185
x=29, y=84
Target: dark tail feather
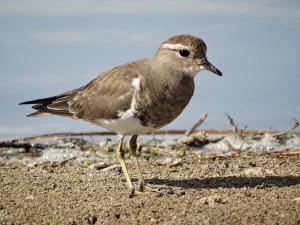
x=40, y=101
x=40, y=110
x=45, y=112
x=37, y=113
x=57, y=105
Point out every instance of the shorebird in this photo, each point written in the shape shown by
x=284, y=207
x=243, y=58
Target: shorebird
x=135, y=98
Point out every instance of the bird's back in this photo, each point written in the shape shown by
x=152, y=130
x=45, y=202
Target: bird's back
x=102, y=98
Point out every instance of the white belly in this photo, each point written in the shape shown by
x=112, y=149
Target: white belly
x=129, y=125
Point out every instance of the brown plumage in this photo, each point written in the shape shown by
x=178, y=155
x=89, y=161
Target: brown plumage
x=93, y=101
x=137, y=97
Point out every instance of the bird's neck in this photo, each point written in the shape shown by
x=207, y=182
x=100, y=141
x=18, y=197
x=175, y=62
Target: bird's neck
x=160, y=78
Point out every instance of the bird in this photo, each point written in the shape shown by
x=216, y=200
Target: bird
x=135, y=98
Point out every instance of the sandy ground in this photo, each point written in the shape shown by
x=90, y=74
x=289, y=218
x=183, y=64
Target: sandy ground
x=246, y=188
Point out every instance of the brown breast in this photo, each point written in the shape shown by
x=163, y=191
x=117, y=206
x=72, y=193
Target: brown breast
x=162, y=101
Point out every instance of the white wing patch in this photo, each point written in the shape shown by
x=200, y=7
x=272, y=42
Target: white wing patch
x=132, y=110
x=127, y=123
x=136, y=84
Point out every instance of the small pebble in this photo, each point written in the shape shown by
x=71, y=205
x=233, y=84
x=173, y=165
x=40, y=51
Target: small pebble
x=98, y=166
x=297, y=199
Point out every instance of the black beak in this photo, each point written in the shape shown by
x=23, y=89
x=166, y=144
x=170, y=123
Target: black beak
x=207, y=65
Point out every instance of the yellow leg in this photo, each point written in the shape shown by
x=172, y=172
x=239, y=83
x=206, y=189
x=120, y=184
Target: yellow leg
x=133, y=148
x=120, y=157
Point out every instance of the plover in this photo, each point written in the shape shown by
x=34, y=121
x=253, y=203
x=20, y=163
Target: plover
x=135, y=98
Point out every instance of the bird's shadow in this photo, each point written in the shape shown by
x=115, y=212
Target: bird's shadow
x=228, y=182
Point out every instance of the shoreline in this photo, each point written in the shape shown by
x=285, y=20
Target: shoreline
x=195, y=188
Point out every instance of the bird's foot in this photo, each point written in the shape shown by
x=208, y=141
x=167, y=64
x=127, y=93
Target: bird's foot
x=152, y=189
x=142, y=188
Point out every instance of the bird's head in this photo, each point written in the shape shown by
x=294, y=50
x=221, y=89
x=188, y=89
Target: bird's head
x=186, y=54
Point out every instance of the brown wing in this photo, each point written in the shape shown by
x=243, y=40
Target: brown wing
x=102, y=98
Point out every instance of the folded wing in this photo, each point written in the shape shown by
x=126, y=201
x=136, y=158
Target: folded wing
x=102, y=98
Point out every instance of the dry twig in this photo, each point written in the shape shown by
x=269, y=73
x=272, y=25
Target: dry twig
x=108, y=133
x=20, y=144
x=287, y=153
x=196, y=125
x=199, y=141
x=231, y=122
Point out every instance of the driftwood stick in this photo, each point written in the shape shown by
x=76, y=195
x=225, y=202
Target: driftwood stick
x=15, y=144
x=27, y=145
x=67, y=134
x=159, y=132
x=196, y=125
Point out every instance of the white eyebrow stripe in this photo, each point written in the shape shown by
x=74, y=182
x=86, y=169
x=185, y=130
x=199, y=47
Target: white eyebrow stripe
x=174, y=46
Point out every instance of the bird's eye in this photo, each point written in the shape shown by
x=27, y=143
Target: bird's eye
x=184, y=52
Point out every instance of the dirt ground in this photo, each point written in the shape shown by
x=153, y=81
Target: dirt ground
x=246, y=188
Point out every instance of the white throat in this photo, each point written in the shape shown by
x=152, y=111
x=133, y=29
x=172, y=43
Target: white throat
x=193, y=70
